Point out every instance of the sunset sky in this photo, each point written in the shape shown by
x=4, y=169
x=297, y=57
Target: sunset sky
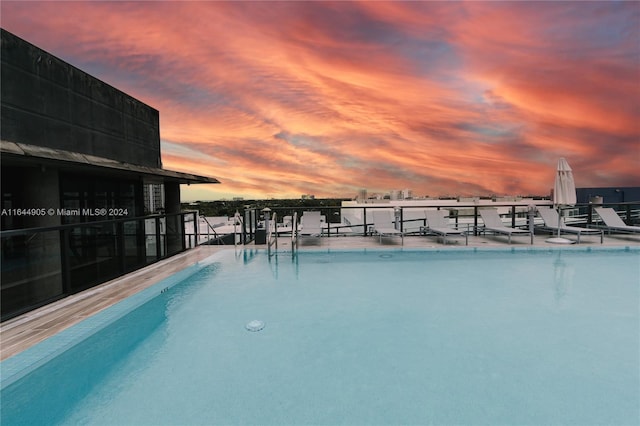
x=279, y=99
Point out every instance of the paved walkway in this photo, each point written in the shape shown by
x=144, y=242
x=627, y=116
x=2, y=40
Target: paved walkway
x=20, y=333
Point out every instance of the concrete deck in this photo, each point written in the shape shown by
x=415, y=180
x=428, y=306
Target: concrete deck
x=22, y=332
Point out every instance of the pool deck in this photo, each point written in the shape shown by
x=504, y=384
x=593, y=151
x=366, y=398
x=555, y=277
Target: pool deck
x=24, y=331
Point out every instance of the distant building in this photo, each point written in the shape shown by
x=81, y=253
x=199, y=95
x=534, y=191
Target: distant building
x=81, y=169
x=401, y=194
x=153, y=198
x=308, y=197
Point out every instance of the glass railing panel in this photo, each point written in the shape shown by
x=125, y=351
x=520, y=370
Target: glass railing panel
x=93, y=255
x=190, y=226
x=133, y=243
x=174, y=238
x=31, y=270
x=151, y=239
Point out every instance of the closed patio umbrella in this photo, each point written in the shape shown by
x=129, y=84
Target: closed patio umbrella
x=564, y=194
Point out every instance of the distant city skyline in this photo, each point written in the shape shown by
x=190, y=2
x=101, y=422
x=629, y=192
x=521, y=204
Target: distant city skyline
x=279, y=99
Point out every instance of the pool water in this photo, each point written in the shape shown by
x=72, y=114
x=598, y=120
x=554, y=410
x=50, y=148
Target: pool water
x=470, y=337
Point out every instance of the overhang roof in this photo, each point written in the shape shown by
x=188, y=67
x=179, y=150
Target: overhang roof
x=77, y=161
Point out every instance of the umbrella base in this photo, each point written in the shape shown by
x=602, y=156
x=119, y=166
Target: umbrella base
x=559, y=240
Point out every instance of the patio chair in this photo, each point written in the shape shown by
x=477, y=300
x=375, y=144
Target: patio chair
x=311, y=224
x=613, y=222
x=438, y=225
x=383, y=225
x=550, y=218
x=492, y=223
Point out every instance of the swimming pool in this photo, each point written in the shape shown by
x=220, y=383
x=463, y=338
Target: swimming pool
x=520, y=336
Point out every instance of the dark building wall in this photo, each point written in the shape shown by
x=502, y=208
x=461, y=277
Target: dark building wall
x=50, y=103
x=609, y=195
x=175, y=238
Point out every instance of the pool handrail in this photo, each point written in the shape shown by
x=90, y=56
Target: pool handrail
x=272, y=237
x=294, y=233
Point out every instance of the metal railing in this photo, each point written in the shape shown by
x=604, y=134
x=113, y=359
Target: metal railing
x=272, y=237
x=338, y=223
x=40, y=265
x=272, y=234
x=211, y=229
x=355, y=220
x=237, y=220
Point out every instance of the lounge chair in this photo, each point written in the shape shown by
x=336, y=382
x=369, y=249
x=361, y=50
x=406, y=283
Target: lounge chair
x=613, y=222
x=550, y=219
x=383, y=225
x=311, y=224
x=493, y=223
x=438, y=225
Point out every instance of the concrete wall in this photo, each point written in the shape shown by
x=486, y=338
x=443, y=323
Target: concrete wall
x=48, y=102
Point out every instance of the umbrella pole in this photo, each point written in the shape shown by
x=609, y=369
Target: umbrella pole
x=558, y=239
x=559, y=219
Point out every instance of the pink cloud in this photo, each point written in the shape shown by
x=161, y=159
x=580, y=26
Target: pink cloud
x=326, y=98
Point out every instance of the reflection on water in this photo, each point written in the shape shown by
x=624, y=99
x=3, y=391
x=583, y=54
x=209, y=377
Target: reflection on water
x=563, y=273
x=48, y=391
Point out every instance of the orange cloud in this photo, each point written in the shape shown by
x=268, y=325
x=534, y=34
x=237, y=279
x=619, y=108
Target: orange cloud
x=284, y=98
